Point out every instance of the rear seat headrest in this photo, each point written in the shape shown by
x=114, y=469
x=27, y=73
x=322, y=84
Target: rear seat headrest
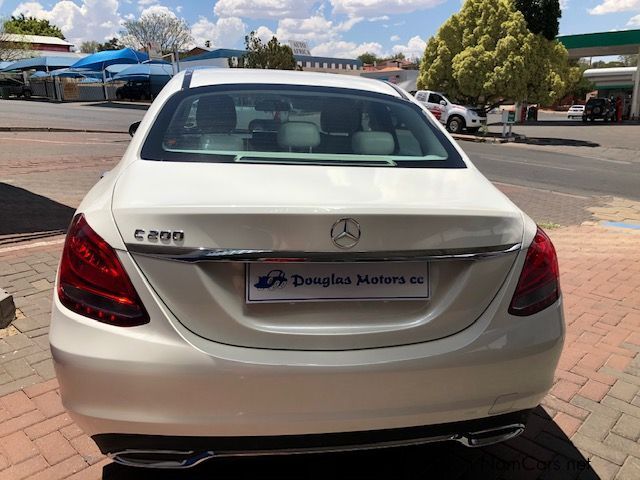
x=373, y=143
x=298, y=135
x=340, y=116
x=216, y=114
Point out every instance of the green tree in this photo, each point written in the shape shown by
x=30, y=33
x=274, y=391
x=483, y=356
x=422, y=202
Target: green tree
x=397, y=56
x=581, y=88
x=113, y=44
x=271, y=55
x=611, y=64
x=90, y=46
x=168, y=31
x=368, y=58
x=542, y=16
x=486, y=54
x=32, y=26
x=9, y=48
x=629, y=60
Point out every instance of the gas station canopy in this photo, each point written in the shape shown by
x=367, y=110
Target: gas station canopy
x=625, y=42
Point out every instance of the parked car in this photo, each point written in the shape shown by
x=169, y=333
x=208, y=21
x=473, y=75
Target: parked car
x=134, y=90
x=575, y=111
x=15, y=87
x=599, y=108
x=348, y=281
x=456, y=117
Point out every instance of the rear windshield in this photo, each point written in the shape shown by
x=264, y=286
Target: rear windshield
x=296, y=125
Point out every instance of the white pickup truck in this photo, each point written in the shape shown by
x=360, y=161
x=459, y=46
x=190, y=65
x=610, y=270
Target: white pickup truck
x=456, y=117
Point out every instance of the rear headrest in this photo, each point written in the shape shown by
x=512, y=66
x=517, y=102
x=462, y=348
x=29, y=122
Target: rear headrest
x=298, y=135
x=216, y=114
x=373, y=143
x=340, y=116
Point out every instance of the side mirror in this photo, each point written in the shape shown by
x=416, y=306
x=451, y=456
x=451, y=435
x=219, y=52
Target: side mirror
x=443, y=103
x=133, y=128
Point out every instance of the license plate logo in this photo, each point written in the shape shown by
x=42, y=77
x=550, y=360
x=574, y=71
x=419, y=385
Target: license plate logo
x=309, y=282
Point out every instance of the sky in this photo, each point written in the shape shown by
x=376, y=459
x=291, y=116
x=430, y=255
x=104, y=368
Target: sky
x=337, y=28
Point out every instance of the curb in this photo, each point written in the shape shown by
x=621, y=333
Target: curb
x=56, y=129
x=479, y=139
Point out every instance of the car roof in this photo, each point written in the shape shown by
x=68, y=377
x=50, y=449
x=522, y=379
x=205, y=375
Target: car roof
x=221, y=76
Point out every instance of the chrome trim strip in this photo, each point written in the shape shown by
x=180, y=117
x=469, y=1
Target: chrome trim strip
x=189, y=255
x=469, y=439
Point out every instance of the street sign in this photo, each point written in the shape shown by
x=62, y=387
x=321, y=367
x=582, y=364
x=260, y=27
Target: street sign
x=299, y=47
x=509, y=117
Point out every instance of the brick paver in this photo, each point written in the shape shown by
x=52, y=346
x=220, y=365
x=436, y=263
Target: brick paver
x=588, y=425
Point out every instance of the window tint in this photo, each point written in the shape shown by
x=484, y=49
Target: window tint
x=296, y=125
x=435, y=98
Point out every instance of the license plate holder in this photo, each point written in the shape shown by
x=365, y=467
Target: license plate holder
x=293, y=282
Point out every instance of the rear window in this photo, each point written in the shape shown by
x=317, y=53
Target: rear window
x=296, y=125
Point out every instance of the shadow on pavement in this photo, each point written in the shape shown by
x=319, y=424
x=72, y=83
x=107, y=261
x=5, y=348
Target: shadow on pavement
x=25, y=215
x=543, y=452
x=567, y=142
x=569, y=123
x=131, y=106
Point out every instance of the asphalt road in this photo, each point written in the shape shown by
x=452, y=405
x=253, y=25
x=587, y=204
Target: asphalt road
x=590, y=174
x=97, y=116
x=548, y=170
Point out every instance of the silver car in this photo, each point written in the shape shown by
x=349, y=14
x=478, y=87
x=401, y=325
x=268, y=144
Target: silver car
x=292, y=262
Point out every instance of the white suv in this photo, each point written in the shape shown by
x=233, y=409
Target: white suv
x=455, y=117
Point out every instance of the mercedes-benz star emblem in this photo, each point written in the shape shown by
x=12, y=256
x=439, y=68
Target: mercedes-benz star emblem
x=345, y=233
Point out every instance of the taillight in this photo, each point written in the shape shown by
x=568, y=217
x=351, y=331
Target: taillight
x=93, y=282
x=538, y=286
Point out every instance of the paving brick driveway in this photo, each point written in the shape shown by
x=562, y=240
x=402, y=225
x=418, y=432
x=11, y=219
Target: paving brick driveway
x=589, y=425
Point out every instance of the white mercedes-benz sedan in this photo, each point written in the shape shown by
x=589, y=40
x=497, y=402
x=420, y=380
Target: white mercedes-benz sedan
x=297, y=262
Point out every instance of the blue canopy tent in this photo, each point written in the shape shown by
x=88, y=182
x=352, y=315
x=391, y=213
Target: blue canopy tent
x=144, y=70
x=158, y=75
x=43, y=64
x=115, y=69
x=39, y=75
x=101, y=60
x=68, y=73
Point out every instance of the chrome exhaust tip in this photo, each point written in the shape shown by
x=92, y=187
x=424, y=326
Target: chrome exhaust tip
x=165, y=459
x=491, y=436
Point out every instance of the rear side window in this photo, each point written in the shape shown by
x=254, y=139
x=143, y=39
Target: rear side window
x=435, y=98
x=296, y=125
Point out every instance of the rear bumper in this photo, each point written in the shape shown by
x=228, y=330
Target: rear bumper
x=160, y=451
x=160, y=379
x=155, y=382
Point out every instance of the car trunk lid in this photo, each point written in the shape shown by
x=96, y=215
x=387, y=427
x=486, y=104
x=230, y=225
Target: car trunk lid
x=240, y=221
